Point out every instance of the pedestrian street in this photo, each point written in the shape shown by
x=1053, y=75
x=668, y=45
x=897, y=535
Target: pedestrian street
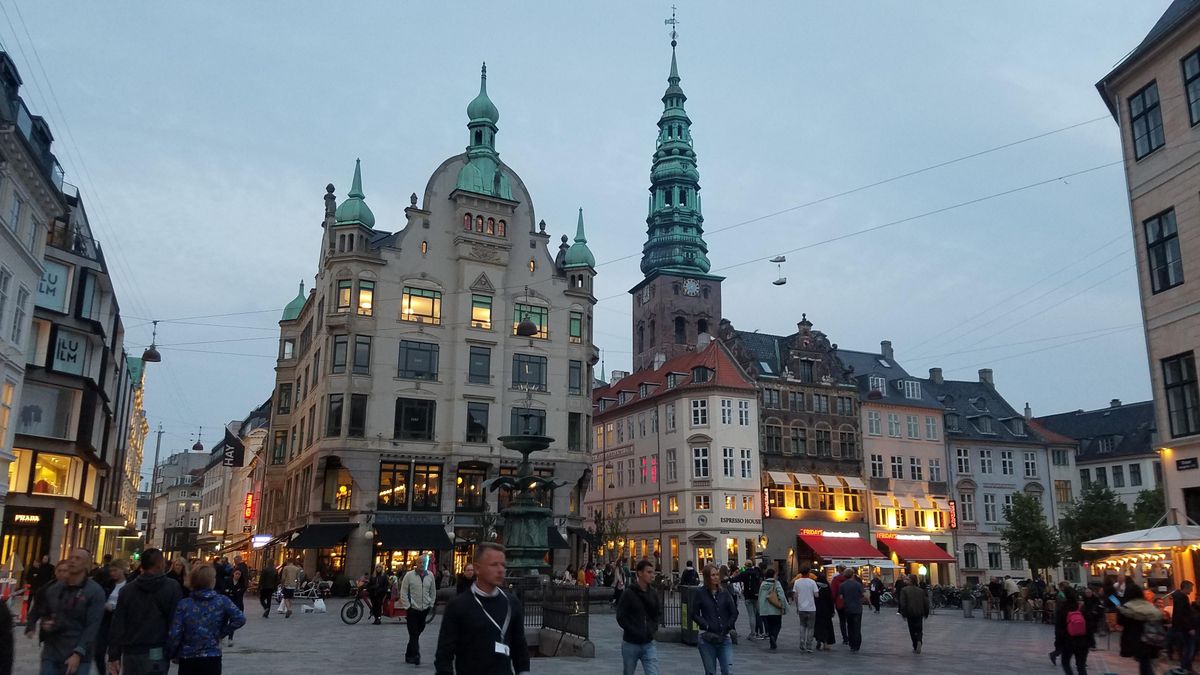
x=321, y=643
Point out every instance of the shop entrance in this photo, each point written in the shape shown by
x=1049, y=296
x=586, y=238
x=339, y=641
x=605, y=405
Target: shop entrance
x=26, y=537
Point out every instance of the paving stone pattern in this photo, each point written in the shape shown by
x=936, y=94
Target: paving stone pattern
x=321, y=643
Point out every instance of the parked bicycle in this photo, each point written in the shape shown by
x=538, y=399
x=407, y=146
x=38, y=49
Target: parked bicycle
x=359, y=605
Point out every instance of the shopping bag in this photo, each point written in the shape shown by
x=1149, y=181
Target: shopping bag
x=281, y=608
x=319, y=605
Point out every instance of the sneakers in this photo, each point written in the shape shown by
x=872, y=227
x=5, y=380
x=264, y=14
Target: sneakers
x=917, y=649
x=266, y=613
x=287, y=614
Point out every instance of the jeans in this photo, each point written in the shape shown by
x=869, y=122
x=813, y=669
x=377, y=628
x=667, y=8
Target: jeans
x=415, y=619
x=752, y=613
x=808, y=621
x=854, y=628
x=914, y=629
x=647, y=654
x=142, y=664
x=1080, y=654
x=842, y=624
x=55, y=667
x=265, y=596
x=772, y=623
x=1186, y=642
x=376, y=601
x=1145, y=665
x=711, y=655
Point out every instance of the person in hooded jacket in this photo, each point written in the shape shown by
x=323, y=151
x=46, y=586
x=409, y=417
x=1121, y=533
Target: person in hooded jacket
x=200, y=621
x=137, y=637
x=1134, y=614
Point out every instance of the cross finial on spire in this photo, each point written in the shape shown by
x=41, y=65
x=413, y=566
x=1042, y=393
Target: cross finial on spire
x=672, y=22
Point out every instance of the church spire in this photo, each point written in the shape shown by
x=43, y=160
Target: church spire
x=675, y=242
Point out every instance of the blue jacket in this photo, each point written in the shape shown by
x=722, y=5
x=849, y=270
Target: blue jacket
x=714, y=614
x=201, y=620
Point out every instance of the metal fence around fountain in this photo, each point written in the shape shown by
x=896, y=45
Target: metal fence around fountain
x=563, y=608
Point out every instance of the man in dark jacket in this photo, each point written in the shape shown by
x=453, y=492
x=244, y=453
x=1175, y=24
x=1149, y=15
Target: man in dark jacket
x=69, y=616
x=1182, y=634
x=137, y=639
x=483, y=630
x=914, y=606
x=638, y=614
x=751, y=578
x=851, y=591
x=268, y=581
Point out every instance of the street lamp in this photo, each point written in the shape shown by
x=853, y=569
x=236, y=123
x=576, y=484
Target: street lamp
x=151, y=354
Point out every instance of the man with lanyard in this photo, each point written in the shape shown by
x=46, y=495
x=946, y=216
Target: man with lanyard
x=69, y=619
x=418, y=592
x=483, y=630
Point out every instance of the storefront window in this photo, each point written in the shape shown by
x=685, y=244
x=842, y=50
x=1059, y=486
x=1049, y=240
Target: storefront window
x=427, y=487
x=393, y=485
x=339, y=486
x=468, y=489
x=331, y=561
x=400, y=561
x=56, y=475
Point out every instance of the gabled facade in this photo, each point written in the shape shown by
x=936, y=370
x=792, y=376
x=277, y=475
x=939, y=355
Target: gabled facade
x=403, y=365
x=675, y=463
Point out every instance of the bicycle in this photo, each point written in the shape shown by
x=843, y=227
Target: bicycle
x=356, y=608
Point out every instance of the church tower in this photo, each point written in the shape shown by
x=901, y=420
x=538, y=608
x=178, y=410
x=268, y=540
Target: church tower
x=678, y=299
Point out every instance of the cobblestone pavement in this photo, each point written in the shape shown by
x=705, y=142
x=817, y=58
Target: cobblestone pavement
x=321, y=643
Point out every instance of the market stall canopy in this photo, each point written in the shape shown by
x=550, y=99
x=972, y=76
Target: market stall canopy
x=1163, y=536
x=916, y=550
x=829, y=548
x=413, y=537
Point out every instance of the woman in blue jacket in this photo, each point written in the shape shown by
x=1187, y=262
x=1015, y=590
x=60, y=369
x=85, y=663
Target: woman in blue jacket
x=715, y=611
x=201, y=620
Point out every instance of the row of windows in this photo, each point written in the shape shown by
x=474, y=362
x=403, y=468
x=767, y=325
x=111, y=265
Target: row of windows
x=915, y=468
x=1118, y=475
x=922, y=518
x=993, y=509
x=414, y=420
x=987, y=466
x=912, y=425
x=735, y=463
x=910, y=388
x=615, y=433
x=824, y=442
x=995, y=557
x=491, y=226
x=820, y=498
x=20, y=307
x=700, y=502
x=795, y=401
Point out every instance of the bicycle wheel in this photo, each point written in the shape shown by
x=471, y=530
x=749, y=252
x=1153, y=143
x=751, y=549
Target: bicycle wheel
x=353, y=611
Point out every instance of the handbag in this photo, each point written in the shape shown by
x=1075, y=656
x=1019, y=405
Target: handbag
x=773, y=596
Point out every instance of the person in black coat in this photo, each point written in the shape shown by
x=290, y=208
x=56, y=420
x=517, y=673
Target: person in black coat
x=268, y=581
x=483, y=630
x=823, y=631
x=1071, y=645
x=465, y=579
x=6, y=640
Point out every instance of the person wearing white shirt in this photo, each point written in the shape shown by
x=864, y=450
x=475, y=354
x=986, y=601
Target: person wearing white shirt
x=804, y=590
x=418, y=592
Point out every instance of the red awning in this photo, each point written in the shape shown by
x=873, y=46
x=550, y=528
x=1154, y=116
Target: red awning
x=916, y=550
x=829, y=548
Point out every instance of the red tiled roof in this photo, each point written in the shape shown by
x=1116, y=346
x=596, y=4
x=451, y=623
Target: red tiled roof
x=726, y=375
x=1051, y=436
x=916, y=550
x=831, y=548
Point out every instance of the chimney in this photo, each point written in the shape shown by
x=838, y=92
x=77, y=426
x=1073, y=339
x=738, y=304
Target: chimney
x=659, y=360
x=885, y=349
x=985, y=376
x=935, y=375
x=702, y=341
x=1115, y=403
x=617, y=376
x=1028, y=411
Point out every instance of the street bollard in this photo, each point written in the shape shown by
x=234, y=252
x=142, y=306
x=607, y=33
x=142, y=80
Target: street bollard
x=968, y=605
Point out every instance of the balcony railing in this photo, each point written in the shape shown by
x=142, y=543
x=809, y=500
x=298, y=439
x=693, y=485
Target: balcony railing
x=67, y=238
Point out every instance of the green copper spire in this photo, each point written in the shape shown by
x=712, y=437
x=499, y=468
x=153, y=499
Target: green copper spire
x=675, y=241
x=294, y=307
x=354, y=211
x=579, y=255
x=482, y=173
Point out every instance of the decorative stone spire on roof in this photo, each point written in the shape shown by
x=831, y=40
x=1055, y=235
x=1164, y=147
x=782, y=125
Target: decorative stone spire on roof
x=482, y=173
x=294, y=307
x=579, y=255
x=355, y=210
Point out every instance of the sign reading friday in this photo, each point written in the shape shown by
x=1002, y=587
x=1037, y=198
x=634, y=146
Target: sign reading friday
x=953, y=515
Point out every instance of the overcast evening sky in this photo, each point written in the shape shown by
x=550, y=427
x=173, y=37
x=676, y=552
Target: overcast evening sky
x=203, y=134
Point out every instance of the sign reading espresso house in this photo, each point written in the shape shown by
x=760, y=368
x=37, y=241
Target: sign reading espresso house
x=742, y=521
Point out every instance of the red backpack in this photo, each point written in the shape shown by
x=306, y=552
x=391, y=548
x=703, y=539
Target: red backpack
x=1076, y=625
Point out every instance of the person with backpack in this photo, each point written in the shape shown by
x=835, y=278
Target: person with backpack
x=1182, y=634
x=1071, y=632
x=772, y=605
x=914, y=607
x=1142, y=634
x=751, y=579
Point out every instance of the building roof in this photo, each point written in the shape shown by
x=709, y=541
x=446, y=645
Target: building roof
x=1051, y=436
x=293, y=309
x=1131, y=428
x=481, y=107
x=579, y=255
x=864, y=365
x=971, y=401
x=1176, y=13
x=726, y=375
x=354, y=210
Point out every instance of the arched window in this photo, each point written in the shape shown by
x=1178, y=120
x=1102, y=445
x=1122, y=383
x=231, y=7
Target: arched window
x=641, y=340
x=680, y=330
x=704, y=292
x=491, y=226
x=500, y=225
x=479, y=223
x=467, y=222
x=683, y=197
x=668, y=196
x=478, y=137
x=424, y=247
x=702, y=326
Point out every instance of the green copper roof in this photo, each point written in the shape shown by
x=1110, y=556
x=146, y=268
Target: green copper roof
x=675, y=224
x=482, y=173
x=136, y=367
x=481, y=107
x=579, y=255
x=294, y=307
x=354, y=211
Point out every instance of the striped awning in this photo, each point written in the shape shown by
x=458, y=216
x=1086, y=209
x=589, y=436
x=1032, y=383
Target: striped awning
x=829, y=481
x=805, y=479
x=780, y=478
x=854, y=483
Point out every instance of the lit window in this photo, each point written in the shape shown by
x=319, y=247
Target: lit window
x=575, y=330
x=366, y=297
x=481, y=311
x=345, y=289
x=421, y=305
x=538, y=315
x=703, y=502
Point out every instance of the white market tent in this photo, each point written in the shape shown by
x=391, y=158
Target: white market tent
x=1161, y=537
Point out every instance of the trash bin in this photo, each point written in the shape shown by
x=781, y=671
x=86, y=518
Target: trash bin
x=689, y=632
x=968, y=605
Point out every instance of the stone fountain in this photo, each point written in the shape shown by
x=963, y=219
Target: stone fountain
x=525, y=520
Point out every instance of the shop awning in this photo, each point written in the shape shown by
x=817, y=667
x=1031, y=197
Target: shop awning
x=829, y=481
x=854, y=483
x=923, y=502
x=282, y=538
x=238, y=544
x=321, y=535
x=583, y=533
x=916, y=550
x=554, y=538
x=780, y=478
x=829, y=548
x=805, y=479
x=413, y=537
x=1164, y=536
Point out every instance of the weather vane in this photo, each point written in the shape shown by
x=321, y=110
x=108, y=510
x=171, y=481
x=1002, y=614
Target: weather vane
x=672, y=22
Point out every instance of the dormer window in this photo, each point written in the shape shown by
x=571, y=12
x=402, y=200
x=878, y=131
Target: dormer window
x=623, y=397
x=912, y=389
x=878, y=383
x=951, y=422
x=701, y=374
x=984, y=424
x=1017, y=426
x=978, y=403
x=1105, y=444
x=672, y=380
